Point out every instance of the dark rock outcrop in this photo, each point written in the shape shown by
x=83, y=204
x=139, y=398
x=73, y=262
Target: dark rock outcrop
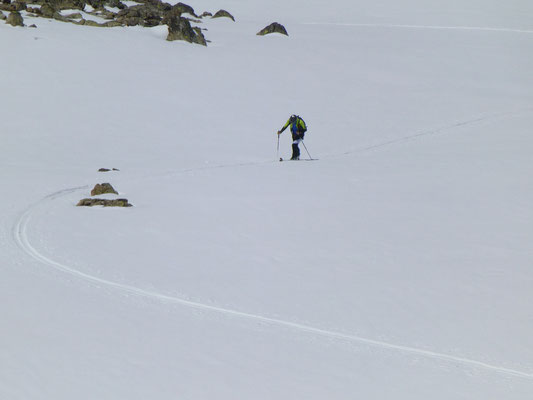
x=148, y=13
x=107, y=169
x=15, y=19
x=59, y=5
x=223, y=13
x=74, y=16
x=184, y=8
x=103, y=188
x=104, y=203
x=179, y=28
x=14, y=6
x=273, y=28
x=47, y=11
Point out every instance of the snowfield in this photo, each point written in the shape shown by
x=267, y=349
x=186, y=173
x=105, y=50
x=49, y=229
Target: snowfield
x=396, y=266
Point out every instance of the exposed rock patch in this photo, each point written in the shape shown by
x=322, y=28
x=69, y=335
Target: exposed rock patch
x=104, y=203
x=179, y=28
x=147, y=13
x=107, y=169
x=273, y=28
x=15, y=19
x=223, y=13
x=15, y=6
x=103, y=188
x=184, y=8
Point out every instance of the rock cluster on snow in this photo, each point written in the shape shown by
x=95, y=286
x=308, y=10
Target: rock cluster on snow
x=104, y=202
x=147, y=13
x=100, y=189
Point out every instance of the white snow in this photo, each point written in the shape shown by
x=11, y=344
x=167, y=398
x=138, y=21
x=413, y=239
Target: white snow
x=397, y=266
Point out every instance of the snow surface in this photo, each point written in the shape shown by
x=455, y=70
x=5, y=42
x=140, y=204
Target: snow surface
x=397, y=266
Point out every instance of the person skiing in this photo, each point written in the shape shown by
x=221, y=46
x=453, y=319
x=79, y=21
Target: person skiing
x=298, y=129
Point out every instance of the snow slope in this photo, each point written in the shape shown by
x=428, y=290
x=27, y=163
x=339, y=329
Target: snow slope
x=397, y=266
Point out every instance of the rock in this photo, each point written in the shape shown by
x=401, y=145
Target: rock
x=145, y=15
x=74, y=16
x=15, y=19
x=58, y=5
x=111, y=24
x=15, y=6
x=7, y=7
x=103, y=188
x=88, y=22
x=47, y=11
x=273, y=28
x=19, y=6
x=105, y=14
x=32, y=26
x=182, y=9
x=179, y=28
x=104, y=170
x=206, y=14
x=2, y=16
x=223, y=13
x=114, y=4
x=104, y=202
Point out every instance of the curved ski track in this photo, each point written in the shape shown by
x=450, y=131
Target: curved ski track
x=21, y=238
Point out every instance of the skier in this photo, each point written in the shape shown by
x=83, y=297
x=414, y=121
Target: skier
x=298, y=129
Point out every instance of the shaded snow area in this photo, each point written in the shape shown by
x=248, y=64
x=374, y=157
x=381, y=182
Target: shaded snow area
x=396, y=266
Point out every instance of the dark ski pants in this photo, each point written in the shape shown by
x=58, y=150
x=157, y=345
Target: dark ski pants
x=296, y=139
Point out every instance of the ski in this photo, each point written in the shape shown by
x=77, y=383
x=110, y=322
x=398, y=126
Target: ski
x=303, y=159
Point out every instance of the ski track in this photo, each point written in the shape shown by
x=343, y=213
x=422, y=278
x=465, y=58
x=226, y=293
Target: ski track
x=434, y=27
x=21, y=238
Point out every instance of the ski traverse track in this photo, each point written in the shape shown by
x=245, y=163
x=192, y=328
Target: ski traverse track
x=20, y=236
x=434, y=27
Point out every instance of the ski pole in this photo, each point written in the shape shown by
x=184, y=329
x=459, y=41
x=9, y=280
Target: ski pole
x=305, y=147
x=278, y=144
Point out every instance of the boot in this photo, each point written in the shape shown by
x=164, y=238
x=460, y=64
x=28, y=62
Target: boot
x=295, y=152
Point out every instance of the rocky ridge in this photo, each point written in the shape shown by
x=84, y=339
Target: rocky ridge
x=147, y=13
